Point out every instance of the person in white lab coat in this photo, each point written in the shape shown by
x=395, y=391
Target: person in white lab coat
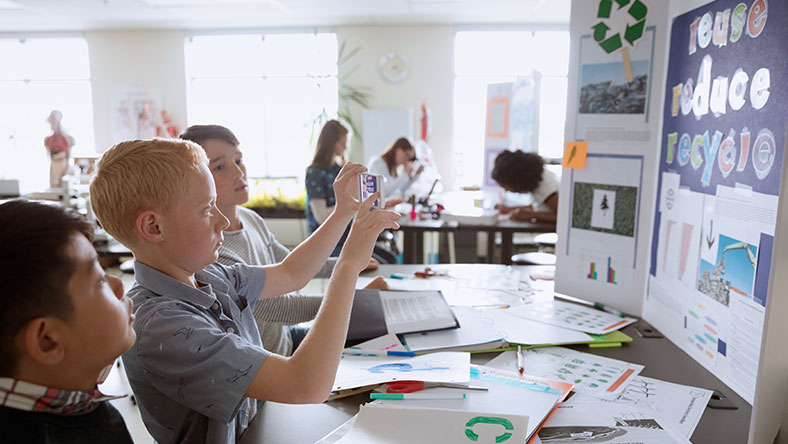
x=398, y=166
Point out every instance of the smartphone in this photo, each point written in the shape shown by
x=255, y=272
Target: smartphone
x=370, y=184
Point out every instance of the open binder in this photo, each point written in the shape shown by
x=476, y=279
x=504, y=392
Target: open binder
x=379, y=312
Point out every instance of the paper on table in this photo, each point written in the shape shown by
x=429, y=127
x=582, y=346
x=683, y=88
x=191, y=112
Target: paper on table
x=485, y=372
x=608, y=422
x=491, y=326
x=409, y=284
x=504, y=396
x=388, y=342
x=358, y=371
x=473, y=331
x=490, y=279
x=576, y=317
x=383, y=424
x=680, y=405
x=476, y=297
x=592, y=375
x=526, y=331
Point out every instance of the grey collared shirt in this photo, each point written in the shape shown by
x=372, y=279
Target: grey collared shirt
x=197, y=351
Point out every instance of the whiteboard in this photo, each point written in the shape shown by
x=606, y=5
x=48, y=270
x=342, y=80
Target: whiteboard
x=381, y=127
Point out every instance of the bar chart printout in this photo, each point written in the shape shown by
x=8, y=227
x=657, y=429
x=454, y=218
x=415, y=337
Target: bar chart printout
x=592, y=271
x=611, y=272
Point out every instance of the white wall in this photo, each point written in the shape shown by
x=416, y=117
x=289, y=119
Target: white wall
x=430, y=50
x=155, y=59
x=145, y=58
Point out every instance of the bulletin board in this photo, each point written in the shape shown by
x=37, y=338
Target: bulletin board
x=723, y=139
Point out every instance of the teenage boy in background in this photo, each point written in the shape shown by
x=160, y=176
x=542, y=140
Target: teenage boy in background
x=249, y=241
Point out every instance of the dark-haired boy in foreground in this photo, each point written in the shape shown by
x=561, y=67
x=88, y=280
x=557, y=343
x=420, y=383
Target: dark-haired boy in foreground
x=63, y=323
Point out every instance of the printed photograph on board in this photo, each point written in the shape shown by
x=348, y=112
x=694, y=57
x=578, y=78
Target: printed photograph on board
x=605, y=208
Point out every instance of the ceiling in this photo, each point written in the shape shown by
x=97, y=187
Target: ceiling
x=76, y=15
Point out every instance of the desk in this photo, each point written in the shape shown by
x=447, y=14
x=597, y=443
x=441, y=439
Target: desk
x=279, y=423
x=414, y=235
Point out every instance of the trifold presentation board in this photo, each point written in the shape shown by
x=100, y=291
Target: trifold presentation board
x=675, y=217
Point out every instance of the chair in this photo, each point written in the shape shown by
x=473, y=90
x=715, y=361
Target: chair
x=533, y=258
x=545, y=241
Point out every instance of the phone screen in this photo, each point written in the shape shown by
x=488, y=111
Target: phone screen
x=370, y=184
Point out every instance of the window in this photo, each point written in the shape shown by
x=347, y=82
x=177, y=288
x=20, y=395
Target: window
x=484, y=57
x=268, y=90
x=39, y=75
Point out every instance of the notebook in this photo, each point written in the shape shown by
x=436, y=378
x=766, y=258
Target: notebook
x=379, y=312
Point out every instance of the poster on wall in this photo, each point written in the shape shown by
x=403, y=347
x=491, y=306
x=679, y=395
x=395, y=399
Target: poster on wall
x=136, y=112
x=512, y=121
x=723, y=140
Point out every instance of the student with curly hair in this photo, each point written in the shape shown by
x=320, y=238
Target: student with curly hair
x=522, y=172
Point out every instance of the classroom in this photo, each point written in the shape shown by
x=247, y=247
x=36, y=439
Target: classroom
x=437, y=221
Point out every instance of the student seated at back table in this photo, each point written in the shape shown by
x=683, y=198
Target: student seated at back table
x=249, y=241
x=328, y=160
x=198, y=363
x=521, y=172
x=400, y=153
x=62, y=325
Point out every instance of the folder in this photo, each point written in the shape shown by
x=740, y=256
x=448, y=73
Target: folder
x=379, y=312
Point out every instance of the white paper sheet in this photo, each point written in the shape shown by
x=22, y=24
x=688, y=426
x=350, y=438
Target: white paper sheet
x=383, y=424
x=704, y=294
x=473, y=331
x=358, y=371
x=388, y=342
x=490, y=279
x=503, y=397
x=518, y=330
x=681, y=405
x=608, y=422
x=491, y=326
x=572, y=316
x=593, y=375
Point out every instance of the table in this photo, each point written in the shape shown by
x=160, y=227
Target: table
x=279, y=423
x=414, y=230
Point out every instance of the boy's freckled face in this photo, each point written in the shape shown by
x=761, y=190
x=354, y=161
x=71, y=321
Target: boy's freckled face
x=229, y=172
x=193, y=228
x=100, y=327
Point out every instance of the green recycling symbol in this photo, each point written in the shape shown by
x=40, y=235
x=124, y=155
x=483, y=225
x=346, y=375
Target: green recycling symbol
x=632, y=33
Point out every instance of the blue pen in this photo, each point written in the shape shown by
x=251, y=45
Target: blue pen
x=367, y=352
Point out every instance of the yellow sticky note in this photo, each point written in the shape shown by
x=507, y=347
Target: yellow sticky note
x=575, y=154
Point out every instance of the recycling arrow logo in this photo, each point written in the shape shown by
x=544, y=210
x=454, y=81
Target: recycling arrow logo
x=632, y=33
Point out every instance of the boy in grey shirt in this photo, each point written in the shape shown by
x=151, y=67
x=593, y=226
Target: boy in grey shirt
x=198, y=363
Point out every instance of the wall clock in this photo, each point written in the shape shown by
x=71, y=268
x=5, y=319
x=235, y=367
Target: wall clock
x=394, y=67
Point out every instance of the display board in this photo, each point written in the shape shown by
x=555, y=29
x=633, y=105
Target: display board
x=382, y=127
x=723, y=138
x=616, y=81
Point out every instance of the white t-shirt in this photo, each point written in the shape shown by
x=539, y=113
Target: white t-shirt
x=255, y=244
x=392, y=186
x=547, y=187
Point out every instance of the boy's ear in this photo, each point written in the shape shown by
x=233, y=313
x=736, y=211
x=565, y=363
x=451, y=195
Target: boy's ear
x=148, y=225
x=42, y=341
